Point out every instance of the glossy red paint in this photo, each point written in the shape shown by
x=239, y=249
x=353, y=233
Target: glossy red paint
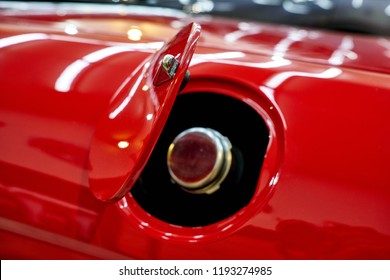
x=299, y=44
x=323, y=189
x=127, y=133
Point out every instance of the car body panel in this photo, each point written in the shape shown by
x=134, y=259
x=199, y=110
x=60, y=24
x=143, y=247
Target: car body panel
x=325, y=171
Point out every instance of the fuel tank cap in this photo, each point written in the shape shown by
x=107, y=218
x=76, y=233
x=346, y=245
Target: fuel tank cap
x=199, y=159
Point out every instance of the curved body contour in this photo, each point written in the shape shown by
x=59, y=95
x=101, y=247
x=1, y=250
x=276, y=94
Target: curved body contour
x=325, y=97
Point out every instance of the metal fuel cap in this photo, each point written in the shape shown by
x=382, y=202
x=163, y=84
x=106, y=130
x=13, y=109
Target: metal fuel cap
x=199, y=159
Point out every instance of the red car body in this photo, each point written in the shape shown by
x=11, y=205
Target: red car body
x=322, y=184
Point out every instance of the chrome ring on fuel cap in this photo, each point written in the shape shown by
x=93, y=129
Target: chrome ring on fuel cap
x=199, y=159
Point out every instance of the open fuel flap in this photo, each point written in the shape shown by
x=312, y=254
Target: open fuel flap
x=127, y=133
